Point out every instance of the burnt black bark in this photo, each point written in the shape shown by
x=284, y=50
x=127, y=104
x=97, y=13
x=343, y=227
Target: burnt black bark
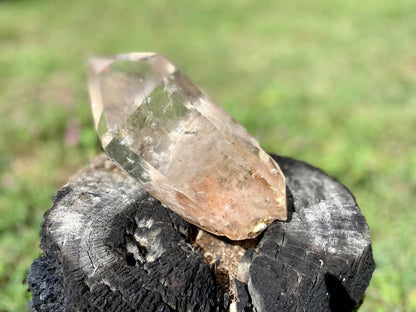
x=109, y=246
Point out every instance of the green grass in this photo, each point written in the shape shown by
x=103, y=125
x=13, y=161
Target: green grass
x=329, y=82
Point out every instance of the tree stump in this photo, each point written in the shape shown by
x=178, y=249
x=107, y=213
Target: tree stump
x=109, y=246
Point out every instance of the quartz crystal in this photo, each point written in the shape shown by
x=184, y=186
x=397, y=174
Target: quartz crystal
x=184, y=149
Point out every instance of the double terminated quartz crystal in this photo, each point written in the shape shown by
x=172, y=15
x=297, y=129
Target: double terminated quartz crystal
x=185, y=150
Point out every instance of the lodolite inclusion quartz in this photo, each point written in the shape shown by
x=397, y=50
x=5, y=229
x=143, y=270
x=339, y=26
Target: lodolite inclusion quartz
x=184, y=149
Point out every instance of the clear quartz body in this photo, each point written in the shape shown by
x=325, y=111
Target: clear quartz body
x=184, y=149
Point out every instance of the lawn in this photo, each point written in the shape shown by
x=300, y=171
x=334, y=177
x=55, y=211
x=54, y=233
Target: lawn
x=332, y=83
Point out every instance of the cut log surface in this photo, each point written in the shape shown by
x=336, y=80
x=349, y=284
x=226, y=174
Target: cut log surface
x=110, y=246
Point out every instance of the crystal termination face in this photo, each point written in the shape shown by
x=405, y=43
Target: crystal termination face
x=184, y=149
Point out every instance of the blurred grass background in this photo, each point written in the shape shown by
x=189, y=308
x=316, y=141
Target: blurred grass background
x=328, y=82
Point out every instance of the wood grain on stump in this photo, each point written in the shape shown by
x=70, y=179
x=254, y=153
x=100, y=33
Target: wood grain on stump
x=109, y=246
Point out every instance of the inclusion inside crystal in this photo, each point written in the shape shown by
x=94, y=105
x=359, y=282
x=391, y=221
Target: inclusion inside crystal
x=185, y=150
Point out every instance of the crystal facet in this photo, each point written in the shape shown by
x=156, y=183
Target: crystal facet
x=184, y=149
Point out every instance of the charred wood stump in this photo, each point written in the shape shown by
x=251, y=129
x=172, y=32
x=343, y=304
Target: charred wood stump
x=110, y=246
